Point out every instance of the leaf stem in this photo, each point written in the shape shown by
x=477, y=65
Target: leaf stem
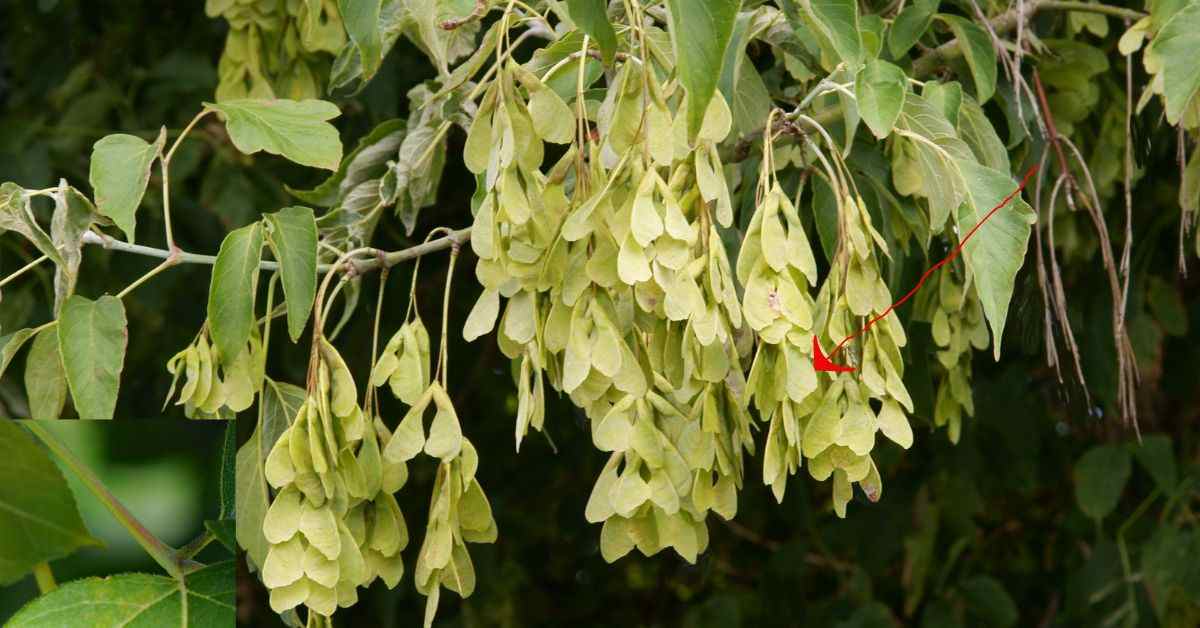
x=195, y=545
x=167, y=263
x=164, y=165
x=182, y=134
x=159, y=551
x=45, y=578
x=443, y=357
x=23, y=270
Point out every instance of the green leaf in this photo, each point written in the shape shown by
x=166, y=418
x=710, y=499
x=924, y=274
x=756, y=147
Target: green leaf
x=938, y=180
x=870, y=615
x=295, y=129
x=989, y=603
x=909, y=25
x=1176, y=45
x=946, y=97
x=700, y=30
x=995, y=253
x=1100, y=477
x=16, y=216
x=292, y=234
x=10, y=344
x=119, y=173
x=975, y=129
x=591, y=16
x=880, y=88
x=1169, y=564
x=977, y=49
x=74, y=214
x=1156, y=455
x=38, y=517
x=367, y=161
x=45, y=379
x=837, y=22
x=229, y=472
x=231, y=294
x=223, y=530
x=825, y=215
x=281, y=402
x=203, y=600
x=751, y=101
x=92, y=339
x=563, y=80
x=361, y=19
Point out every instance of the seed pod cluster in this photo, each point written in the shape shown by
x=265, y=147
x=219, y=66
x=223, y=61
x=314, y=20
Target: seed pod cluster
x=276, y=49
x=334, y=524
x=958, y=325
x=404, y=363
x=828, y=418
x=459, y=512
x=214, y=388
x=619, y=292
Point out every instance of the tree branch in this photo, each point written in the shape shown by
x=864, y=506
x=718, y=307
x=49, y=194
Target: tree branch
x=388, y=259
x=928, y=63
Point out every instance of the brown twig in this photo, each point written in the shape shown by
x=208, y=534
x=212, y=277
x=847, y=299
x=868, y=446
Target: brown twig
x=479, y=11
x=1127, y=374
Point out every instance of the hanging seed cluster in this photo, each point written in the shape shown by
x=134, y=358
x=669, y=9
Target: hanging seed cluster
x=619, y=291
x=958, y=325
x=275, y=48
x=826, y=419
x=600, y=222
x=334, y=524
x=404, y=363
x=212, y=387
x=459, y=512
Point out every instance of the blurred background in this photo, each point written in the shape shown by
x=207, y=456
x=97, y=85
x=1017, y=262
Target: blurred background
x=985, y=533
x=165, y=472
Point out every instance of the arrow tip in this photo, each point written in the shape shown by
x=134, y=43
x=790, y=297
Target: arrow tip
x=822, y=363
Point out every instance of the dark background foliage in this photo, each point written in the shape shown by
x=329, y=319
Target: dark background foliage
x=987, y=532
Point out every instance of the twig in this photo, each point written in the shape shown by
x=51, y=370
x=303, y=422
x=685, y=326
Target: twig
x=926, y=64
x=1127, y=374
x=22, y=270
x=196, y=545
x=476, y=13
x=389, y=259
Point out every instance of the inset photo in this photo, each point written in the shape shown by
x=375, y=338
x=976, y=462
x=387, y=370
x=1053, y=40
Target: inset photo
x=106, y=524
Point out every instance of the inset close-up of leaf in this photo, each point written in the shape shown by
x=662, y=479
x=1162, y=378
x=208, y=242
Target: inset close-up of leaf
x=82, y=527
x=38, y=515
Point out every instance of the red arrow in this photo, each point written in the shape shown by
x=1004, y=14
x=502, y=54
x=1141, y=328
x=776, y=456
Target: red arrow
x=822, y=363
